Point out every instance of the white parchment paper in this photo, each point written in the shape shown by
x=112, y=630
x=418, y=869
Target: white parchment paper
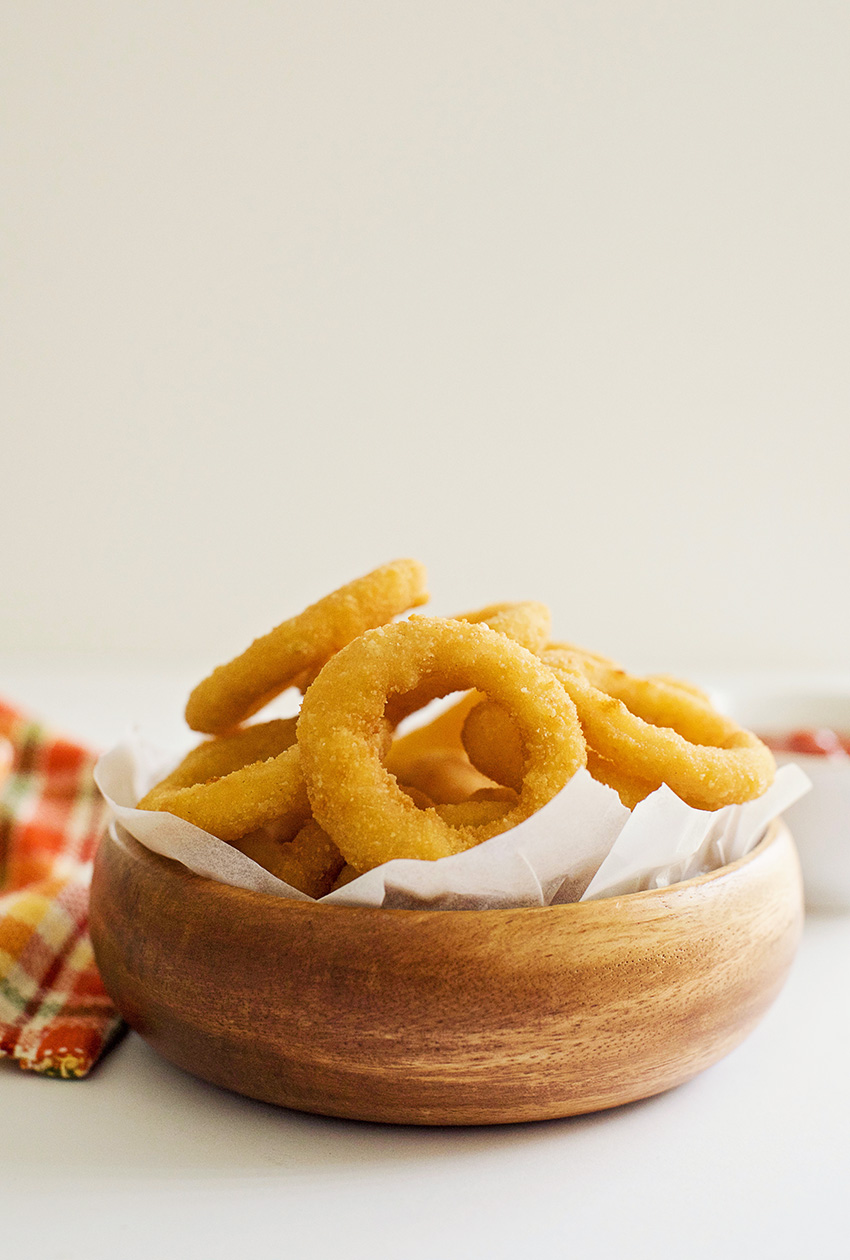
x=583, y=844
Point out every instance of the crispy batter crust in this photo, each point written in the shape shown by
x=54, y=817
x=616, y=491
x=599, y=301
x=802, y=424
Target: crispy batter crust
x=493, y=742
x=528, y=623
x=215, y=758
x=358, y=802
x=309, y=862
x=242, y=801
x=657, y=732
x=302, y=644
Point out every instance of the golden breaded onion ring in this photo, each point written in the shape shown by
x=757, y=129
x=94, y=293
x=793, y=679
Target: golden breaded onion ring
x=442, y=734
x=474, y=812
x=243, y=800
x=593, y=660
x=215, y=758
x=657, y=733
x=583, y=654
x=445, y=777
x=494, y=745
x=309, y=862
x=233, y=785
x=358, y=802
x=528, y=622
x=682, y=684
x=302, y=644
x=631, y=791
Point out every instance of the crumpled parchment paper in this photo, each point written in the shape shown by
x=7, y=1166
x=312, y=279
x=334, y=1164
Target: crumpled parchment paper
x=584, y=844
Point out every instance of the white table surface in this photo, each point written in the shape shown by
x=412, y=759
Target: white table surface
x=751, y=1159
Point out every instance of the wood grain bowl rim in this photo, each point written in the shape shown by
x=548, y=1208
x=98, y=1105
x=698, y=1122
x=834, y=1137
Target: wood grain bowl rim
x=352, y=1070
x=175, y=869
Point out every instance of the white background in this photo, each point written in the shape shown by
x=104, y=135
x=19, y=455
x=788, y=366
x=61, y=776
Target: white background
x=554, y=296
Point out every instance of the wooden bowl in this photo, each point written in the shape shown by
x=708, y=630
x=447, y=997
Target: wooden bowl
x=444, y=1017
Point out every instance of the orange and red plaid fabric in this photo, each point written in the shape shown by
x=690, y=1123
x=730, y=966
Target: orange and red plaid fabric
x=54, y=1014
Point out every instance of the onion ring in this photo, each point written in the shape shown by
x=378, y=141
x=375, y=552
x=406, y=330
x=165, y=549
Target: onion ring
x=682, y=684
x=302, y=644
x=583, y=654
x=593, y=660
x=474, y=812
x=214, y=758
x=357, y=801
x=631, y=791
x=527, y=623
x=494, y=745
x=309, y=862
x=446, y=777
x=440, y=735
x=658, y=733
x=241, y=801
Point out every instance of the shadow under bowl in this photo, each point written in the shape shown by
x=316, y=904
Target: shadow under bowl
x=444, y=1017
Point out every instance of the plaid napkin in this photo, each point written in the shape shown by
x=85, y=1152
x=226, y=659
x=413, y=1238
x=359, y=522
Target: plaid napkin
x=55, y=1017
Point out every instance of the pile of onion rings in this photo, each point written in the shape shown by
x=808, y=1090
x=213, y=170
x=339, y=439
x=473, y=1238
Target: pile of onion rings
x=322, y=798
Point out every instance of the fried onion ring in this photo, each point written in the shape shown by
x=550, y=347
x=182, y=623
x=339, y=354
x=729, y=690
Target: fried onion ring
x=242, y=800
x=658, y=733
x=527, y=623
x=440, y=735
x=494, y=745
x=631, y=791
x=357, y=801
x=583, y=654
x=303, y=644
x=474, y=812
x=593, y=660
x=682, y=684
x=214, y=758
x=309, y=862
